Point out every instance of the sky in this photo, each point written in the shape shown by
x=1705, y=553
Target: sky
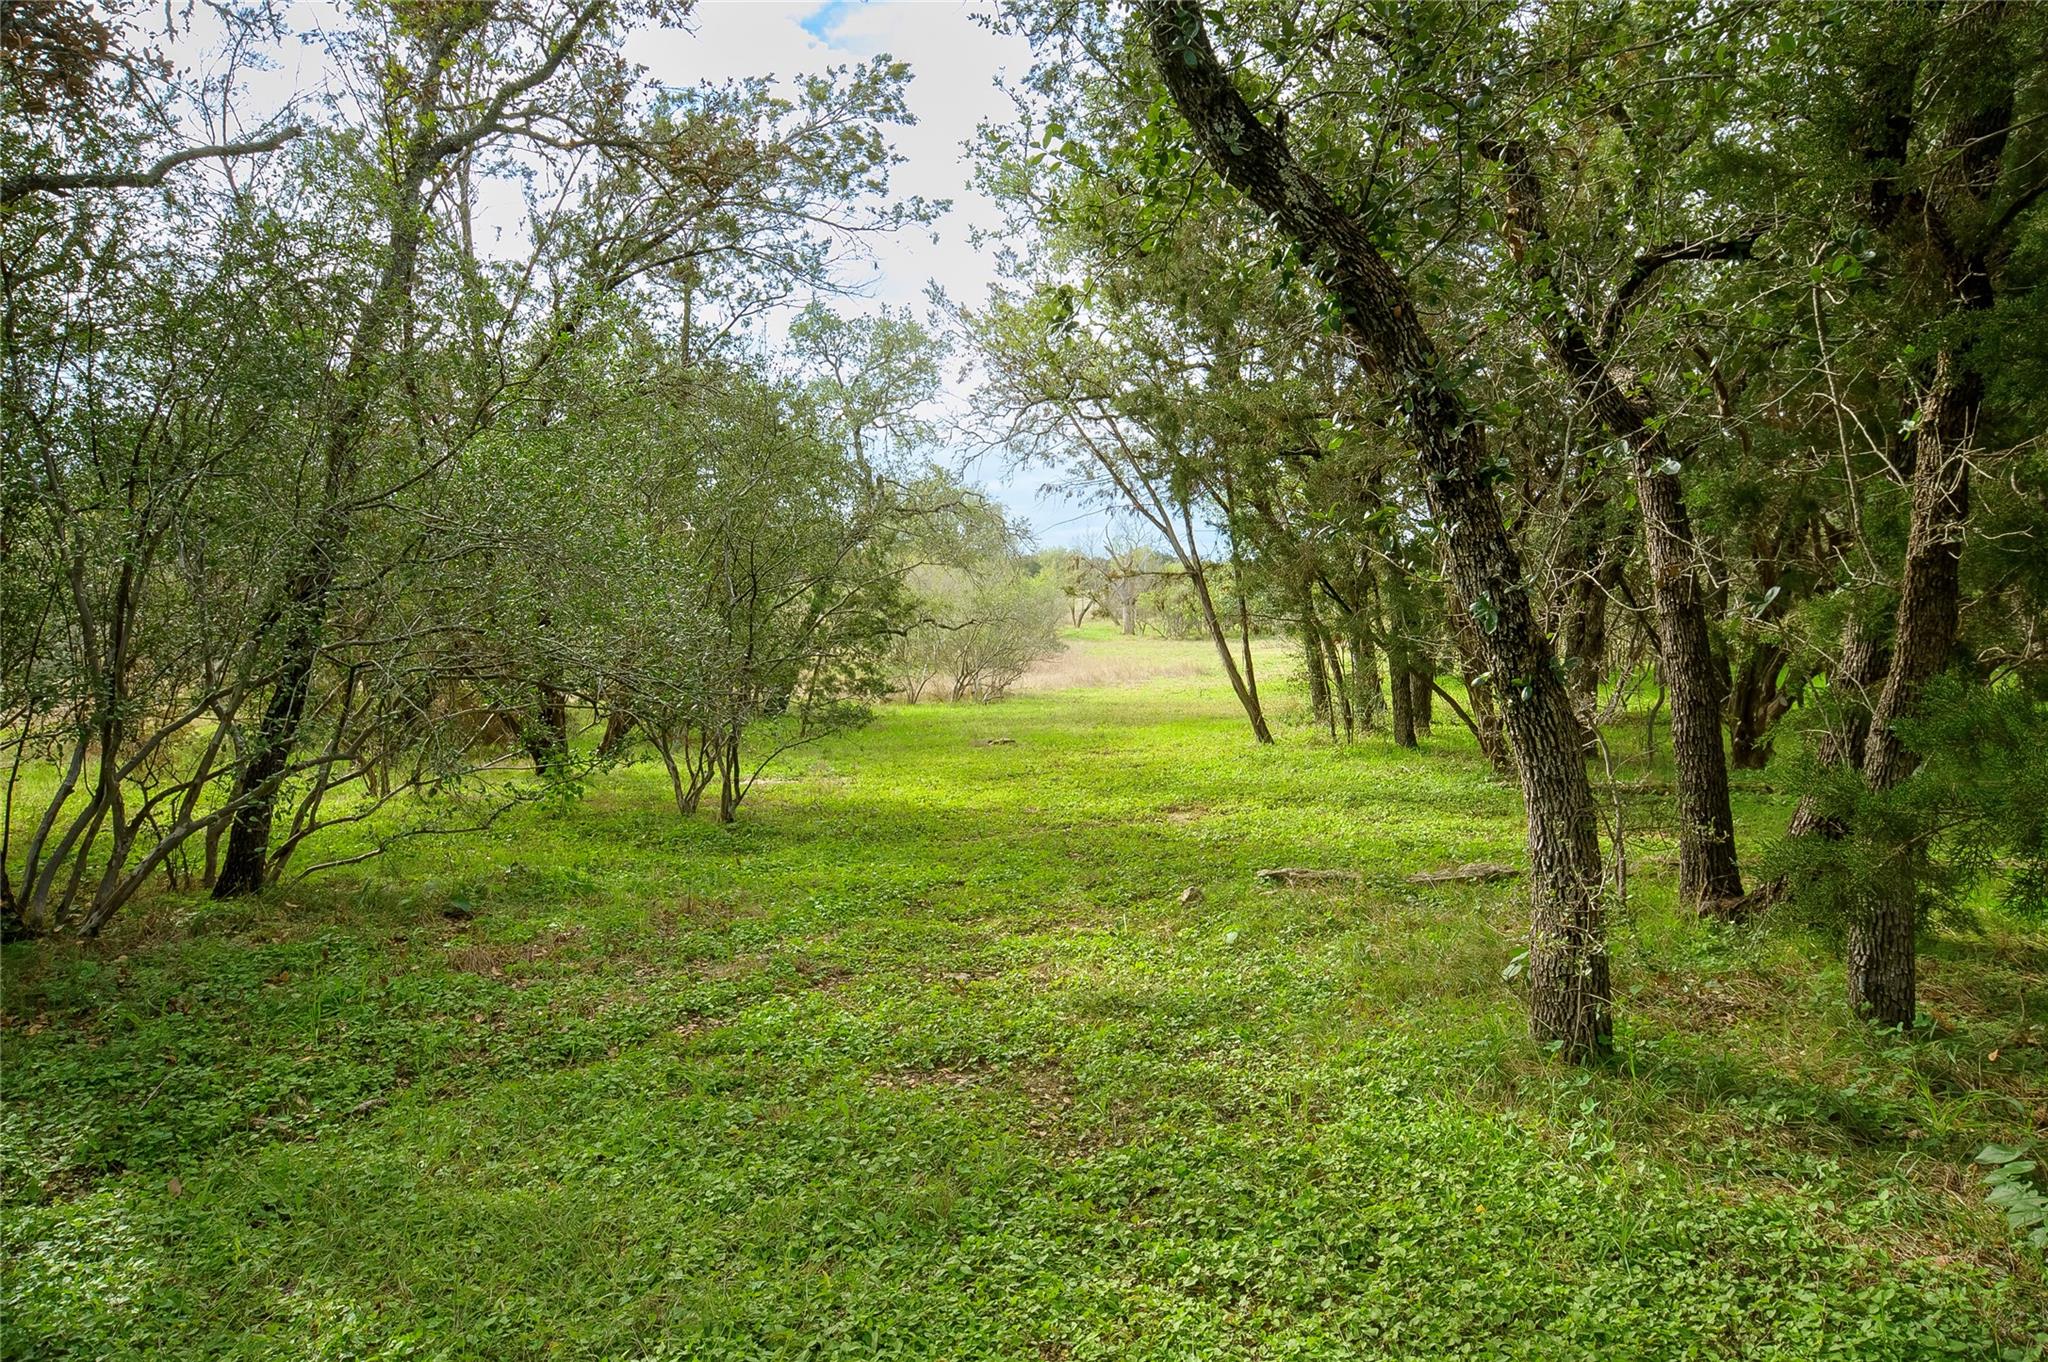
x=955, y=63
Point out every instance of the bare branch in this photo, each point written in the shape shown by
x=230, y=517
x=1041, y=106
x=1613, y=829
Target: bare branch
x=19, y=187
x=1735, y=247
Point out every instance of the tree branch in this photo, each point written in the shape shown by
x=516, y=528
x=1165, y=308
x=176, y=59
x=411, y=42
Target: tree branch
x=18, y=187
x=1736, y=247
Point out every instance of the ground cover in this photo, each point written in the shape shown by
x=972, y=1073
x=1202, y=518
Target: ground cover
x=934, y=1054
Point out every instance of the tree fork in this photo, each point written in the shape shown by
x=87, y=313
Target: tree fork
x=1708, y=872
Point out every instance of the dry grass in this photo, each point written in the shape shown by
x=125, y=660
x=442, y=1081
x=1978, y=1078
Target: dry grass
x=1096, y=655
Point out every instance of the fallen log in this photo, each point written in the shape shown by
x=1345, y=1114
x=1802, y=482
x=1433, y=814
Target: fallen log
x=1297, y=874
x=1472, y=872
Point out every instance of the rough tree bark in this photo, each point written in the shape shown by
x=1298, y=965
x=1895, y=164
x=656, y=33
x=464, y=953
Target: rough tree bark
x=1369, y=700
x=1400, y=683
x=547, y=740
x=1585, y=629
x=1882, y=949
x=1485, y=715
x=1708, y=873
x=1964, y=188
x=618, y=728
x=1570, y=1003
x=1754, y=705
x=1422, y=685
x=1860, y=668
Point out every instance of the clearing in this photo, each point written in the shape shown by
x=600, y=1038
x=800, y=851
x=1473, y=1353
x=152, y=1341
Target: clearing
x=932, y=1055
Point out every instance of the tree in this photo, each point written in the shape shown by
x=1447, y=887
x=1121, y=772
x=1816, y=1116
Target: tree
x=1567, y=957
x=1941, y=195
x=304, y=468
x=873, y=375
x=1708, y=873
x=482, y=81
x=1083, y=397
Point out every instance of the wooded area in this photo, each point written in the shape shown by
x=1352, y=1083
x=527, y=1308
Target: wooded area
x=1556, y=346
x=1640, y=405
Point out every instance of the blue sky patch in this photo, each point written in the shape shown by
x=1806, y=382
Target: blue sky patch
x=826, y=18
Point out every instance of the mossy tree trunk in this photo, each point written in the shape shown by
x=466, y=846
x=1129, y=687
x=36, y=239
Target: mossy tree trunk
x=1570, y=1003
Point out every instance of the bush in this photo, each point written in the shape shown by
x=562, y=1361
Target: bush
x=980, y=628
x=1975, y=811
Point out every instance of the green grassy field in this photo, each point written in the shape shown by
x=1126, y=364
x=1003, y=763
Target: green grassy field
x=931, y=1055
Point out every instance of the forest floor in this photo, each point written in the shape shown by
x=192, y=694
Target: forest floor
x=933, y=1055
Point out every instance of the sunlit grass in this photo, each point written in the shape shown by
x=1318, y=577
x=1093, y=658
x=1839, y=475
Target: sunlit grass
x=934, y=1054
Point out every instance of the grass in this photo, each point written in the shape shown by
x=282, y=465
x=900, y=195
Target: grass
x=933, y=1056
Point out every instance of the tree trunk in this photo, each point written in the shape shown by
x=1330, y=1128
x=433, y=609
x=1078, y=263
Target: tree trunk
x=1485, y=716
x=1754, y=707
x=1400, y=677
x=1569, y=1000
x=1340, y=684
x=1400, y=700
x=547, y=741
x=618, y=727
x=1923, y=640
x=1401, y=706
x=729, y=790
x=1369, y=699
x=245, y=864
x=1882, y=964
x=1318, y=681
x=1584, y=637
x=1707, y=871
x=1318, y=670
x=1882, y=938
x=1708, y=874
x=1862, y=666
x=1422, y=683
x=1242, y=683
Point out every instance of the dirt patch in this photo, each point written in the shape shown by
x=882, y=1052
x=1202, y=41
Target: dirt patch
x=494, y=958
x=819, y=975
x=692, y=911
x=1050, y=1100
x=1704, y=1006
x=899, y=1080
x=731, y=968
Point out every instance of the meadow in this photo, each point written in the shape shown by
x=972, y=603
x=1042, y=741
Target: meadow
x=978, y=1037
